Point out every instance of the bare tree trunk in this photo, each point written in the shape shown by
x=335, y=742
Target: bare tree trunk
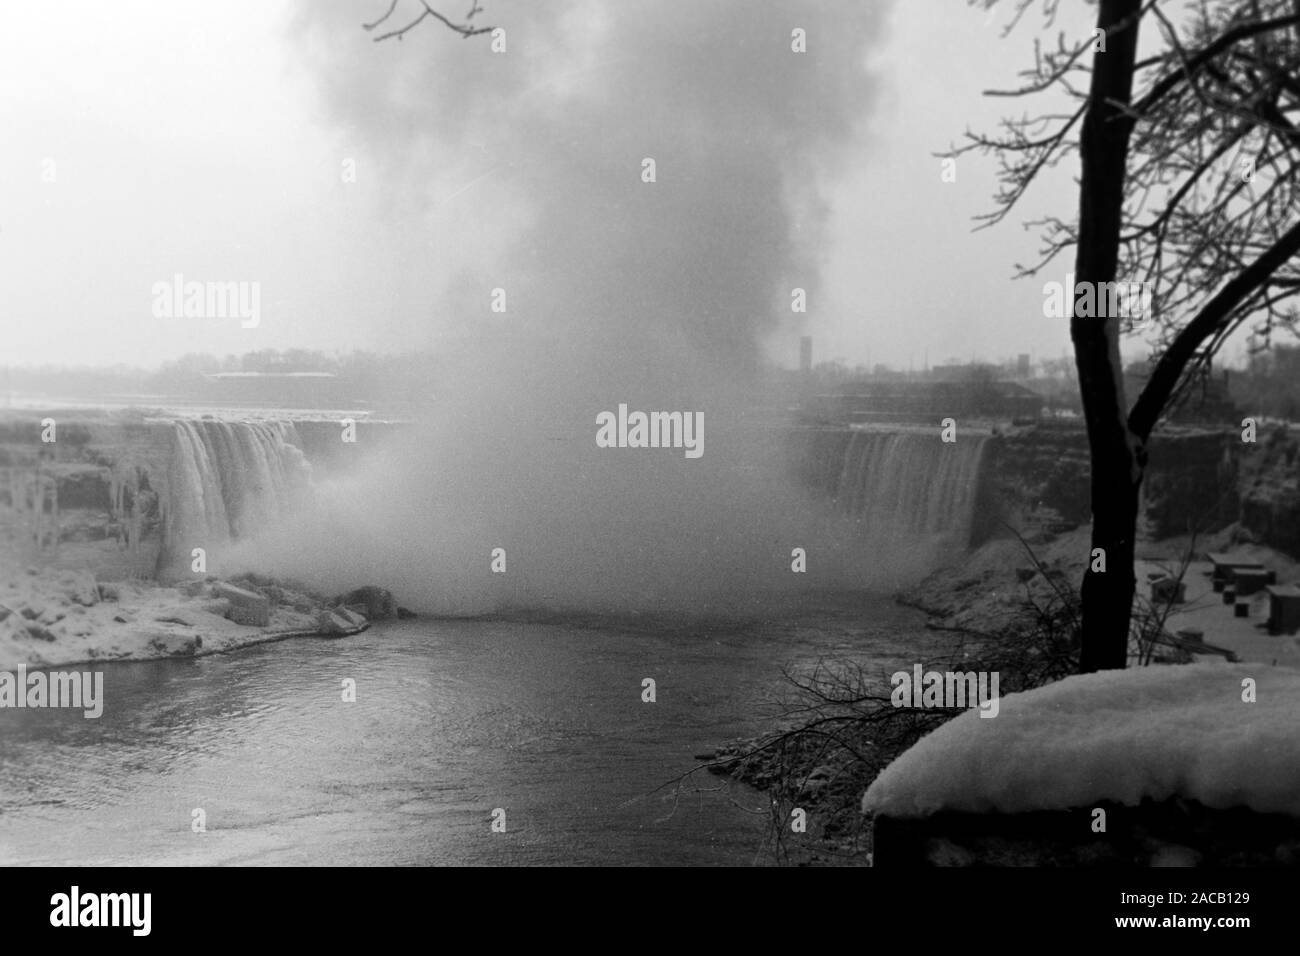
x=1117, y=456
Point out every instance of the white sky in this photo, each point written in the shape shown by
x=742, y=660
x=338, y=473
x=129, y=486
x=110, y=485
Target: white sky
x=189, y=137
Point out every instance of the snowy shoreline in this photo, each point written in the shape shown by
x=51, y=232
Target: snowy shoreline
x=55, y=619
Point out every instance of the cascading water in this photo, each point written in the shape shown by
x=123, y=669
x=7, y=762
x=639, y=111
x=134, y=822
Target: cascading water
x=910, y=485
x=226, y=480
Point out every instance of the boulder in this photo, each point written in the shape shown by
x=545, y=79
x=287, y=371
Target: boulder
x=353, y=618
x=218, y=606
x=246, y=607
x=249, y=615
x=378, y=602
x=39, y=633
x=175, y=645
x=81, y=588
x=331, y=623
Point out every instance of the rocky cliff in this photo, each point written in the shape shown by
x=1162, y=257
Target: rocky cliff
x=1198, y=479
x=1270, y=488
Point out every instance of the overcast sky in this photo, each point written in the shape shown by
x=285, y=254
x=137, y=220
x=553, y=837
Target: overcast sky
x=209, y=139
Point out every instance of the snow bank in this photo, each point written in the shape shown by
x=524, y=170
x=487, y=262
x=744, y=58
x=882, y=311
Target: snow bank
x=1158, y=732
x=50, y=618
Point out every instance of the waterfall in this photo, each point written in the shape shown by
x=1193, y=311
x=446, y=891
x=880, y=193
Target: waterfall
x=910, y=485
x=226, y=480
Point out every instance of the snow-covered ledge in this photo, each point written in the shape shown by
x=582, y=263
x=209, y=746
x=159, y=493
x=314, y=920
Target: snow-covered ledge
x=1176, y=764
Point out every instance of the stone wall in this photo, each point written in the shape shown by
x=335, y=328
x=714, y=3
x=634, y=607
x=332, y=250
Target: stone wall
x=1173, y=832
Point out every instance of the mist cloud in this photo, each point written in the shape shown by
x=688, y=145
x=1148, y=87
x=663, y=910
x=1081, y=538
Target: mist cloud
x=658, y=295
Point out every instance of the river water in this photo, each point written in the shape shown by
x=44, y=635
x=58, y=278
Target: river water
x=452, y=720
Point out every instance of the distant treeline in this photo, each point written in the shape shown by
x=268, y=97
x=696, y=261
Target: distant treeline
x=362, y=376
x=1268, y=386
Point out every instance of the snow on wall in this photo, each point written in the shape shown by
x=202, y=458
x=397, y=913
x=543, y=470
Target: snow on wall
x=1158, y=732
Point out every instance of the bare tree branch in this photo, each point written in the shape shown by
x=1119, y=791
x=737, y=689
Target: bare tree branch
x=465, y=29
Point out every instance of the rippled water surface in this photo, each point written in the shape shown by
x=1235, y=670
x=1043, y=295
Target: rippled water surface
x=452, y=720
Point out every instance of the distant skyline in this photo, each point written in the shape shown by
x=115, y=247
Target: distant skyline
x=144, y=140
